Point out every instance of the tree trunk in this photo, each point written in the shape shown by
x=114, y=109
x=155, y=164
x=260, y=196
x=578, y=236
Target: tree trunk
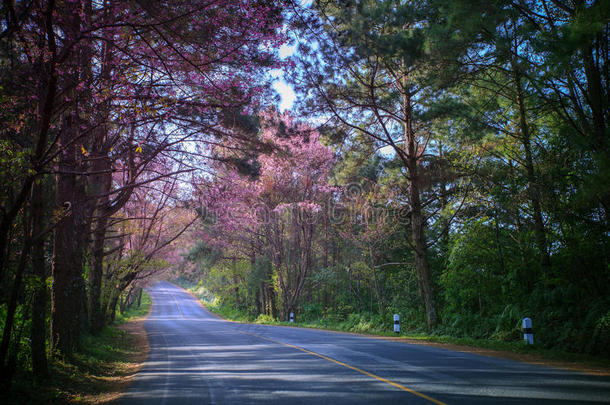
x=235, y=282
x=94, y=304
x=262, y=304
x=7, y=221
x=131, y=298
x=48, y=89
x=67, y=295
x=418, y=221
x=376, y=284
x=100, y=183
x=597, y=101
x=444, y=240
x=499, y=242
x=12, y=304
x=38, y=326
x=122, y=304
x=112, y=307
x=421, y=258
x=533, y=190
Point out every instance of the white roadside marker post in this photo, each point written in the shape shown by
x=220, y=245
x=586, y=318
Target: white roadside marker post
x=292, y=317
x=396, y=323
x=528, y=334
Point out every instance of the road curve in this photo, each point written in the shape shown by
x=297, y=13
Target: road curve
x=196, y=358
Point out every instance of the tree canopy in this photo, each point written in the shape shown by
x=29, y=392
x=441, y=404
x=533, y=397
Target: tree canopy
x=447, y=161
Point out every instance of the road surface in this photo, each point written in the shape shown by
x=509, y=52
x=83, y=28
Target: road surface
x=196, y=358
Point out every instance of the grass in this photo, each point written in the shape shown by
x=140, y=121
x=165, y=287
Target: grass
x=134, y=312
x=516, y=350
x=97, y=373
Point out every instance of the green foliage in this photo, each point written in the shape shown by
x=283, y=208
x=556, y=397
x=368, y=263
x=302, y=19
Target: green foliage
x=102, y=357
x=365, y=323
x=265, y=319
x=135, y=311
x=472, y=283
x=200, y=291
x=511, y=162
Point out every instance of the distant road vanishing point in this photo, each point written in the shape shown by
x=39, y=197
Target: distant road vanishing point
x=197, y=358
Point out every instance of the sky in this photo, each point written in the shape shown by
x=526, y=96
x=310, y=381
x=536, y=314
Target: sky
x=288, y=95
x=279, y=84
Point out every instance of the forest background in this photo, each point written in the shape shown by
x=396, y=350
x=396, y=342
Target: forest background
x=448, y=162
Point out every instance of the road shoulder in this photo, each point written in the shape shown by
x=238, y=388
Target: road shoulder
x=529, y=358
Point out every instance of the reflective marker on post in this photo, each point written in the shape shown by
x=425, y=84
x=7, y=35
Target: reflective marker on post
x=528, y=334
x=292, y=317
x=396, y=323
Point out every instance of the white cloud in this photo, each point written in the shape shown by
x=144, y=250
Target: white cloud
x=276, y=73
x=287, y=50
x=286, y=93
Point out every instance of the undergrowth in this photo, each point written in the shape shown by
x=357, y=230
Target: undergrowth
x=376, y=325
x=88, y=373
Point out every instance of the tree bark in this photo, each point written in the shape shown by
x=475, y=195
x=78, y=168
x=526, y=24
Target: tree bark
x=124, y=301
x=597, y=101
x=67, y=296
x=38, y=326
x=12, y=304
x=94, y=305
x=99, y=184
x=45, y=113
x=418, y=221
x=444, y=240
x=263, y=304
x=533, y=189
x=235, y=282
x=112, y=306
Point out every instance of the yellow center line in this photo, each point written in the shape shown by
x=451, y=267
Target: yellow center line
x=385, y=380
x=178, y=306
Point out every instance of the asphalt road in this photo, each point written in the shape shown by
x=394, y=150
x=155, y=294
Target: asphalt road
x=197, y=358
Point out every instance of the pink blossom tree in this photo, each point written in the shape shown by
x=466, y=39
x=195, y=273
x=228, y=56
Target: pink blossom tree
x=278, y=213
x=109, y=87
x=145, y=238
